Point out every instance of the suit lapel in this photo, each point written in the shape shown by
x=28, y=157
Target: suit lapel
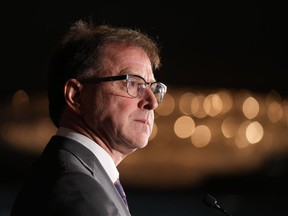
x=92, y=164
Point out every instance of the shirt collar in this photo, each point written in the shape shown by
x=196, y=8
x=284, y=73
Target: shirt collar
x=104, y=158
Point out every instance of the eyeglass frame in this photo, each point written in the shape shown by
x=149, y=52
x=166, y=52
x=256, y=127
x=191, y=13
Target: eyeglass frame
x=126, y=77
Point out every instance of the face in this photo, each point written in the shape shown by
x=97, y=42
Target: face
x=122, y=122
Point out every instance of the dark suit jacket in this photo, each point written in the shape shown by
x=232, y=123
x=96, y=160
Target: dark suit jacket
x=69, y=180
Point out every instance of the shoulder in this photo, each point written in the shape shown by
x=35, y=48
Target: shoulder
x=67, y=154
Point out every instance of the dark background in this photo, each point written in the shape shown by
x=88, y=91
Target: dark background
x=218, y=44
x=204, y=45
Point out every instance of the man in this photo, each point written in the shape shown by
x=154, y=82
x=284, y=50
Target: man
x=102, y=96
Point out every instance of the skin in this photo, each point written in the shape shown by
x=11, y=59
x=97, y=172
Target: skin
x=105, y=113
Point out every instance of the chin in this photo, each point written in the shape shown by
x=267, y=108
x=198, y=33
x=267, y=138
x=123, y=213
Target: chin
x=143, y=145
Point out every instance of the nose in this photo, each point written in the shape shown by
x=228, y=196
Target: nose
x=148, y=99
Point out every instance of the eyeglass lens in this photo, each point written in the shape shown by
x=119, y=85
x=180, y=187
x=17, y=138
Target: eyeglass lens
x=136, y=85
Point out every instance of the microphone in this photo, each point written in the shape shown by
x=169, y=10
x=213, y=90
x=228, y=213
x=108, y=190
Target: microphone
x=211, y=202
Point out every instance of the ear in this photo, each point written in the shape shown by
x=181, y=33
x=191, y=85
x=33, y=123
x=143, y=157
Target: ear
x=72, y=94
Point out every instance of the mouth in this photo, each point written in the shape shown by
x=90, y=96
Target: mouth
x=143, y=121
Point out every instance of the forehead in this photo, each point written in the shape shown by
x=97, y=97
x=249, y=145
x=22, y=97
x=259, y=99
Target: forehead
x=119, y=58
x=124, y=52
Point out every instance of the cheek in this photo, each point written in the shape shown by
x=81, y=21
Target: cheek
x=123, y=113
x=121, y=109
x=115, y=108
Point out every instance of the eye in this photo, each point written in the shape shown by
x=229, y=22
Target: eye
x=131, y=83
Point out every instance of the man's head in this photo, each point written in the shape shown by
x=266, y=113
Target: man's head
x=109, y=109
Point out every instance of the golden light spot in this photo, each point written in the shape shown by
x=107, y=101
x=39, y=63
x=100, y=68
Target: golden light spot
x=274, y=111
x=212, y=104
x=184, y=126
x=167, y=106
x=250, y=107
x=254, y=132
x=201, y=136
x=185, y=103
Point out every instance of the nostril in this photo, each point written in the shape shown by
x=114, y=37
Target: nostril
x=151, y=106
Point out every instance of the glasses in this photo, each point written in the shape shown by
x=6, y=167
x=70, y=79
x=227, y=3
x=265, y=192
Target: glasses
x=135, y=85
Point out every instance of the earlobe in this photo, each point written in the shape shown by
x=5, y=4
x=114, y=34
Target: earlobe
x=72, y=94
